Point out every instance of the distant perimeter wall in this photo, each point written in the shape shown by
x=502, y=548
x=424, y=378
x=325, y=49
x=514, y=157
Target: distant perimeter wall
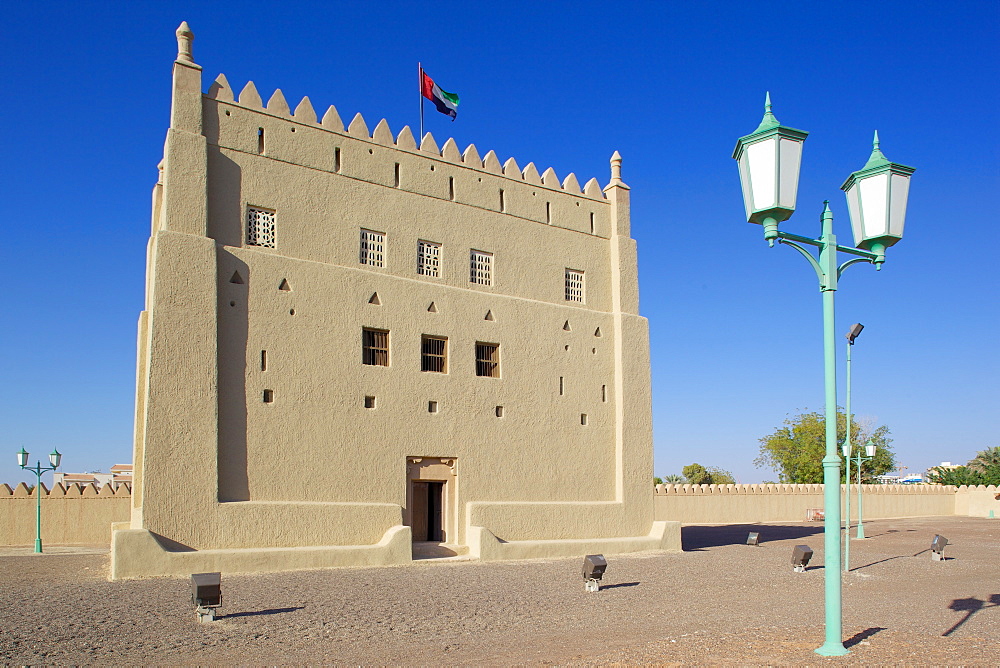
x=749, y=504
x=70, y=516
x=83, y=515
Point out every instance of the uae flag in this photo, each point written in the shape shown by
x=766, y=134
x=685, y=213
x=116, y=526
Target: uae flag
x=446, y=103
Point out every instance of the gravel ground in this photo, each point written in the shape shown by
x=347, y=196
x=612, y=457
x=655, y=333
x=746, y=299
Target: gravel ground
x=719, y=603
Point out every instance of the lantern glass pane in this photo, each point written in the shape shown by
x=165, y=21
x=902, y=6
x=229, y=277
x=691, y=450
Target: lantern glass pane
x=854, y=208
x=22, y=457
x=789, y=160
x=875, y=205
x=900, y=190
x=871, y=450
x=745, y=182
x=762, y=157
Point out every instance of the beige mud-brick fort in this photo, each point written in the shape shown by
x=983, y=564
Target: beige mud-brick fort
x=353, y=343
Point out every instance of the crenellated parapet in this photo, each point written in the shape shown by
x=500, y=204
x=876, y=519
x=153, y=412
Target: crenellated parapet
x=666, y=489
x=304, y=114
x=74, y=490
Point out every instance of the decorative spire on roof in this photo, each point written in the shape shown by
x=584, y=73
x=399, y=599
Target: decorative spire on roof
x=877, y=158
x=769, y=121
x=184, y=39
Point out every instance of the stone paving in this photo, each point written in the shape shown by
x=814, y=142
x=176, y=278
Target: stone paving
x=720, y=602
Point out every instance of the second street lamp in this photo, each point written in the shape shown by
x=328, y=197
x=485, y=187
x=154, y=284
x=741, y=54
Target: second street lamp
x=851, y=335
x=769, y=161
x=22, y=460
x=859, y=460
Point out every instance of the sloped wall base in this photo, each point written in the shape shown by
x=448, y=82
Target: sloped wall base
x=484, y=545
x=136, y=553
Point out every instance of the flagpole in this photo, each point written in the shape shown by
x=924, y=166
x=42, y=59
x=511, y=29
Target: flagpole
x=420, y=97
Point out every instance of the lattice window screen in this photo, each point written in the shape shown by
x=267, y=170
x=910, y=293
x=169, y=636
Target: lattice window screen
x=260, y=227
x=372, y=251
x=481, y=268
x=428, y=258
x=574, y=285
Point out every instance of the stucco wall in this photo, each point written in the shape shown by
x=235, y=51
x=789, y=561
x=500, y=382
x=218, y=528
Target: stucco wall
x=738, y=504
x=978, y=501
x=73, y=516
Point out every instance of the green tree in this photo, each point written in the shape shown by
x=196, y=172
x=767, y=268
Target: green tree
x=796, y=450
x=721, y=476
x=673, y=479
x=657, y=480
x=696, y=474
x=986, y=461
x=984, y=469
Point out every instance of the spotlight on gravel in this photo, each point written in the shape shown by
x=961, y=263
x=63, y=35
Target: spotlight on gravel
x=937, y=547
x=753, y=538
x=594, y=566
x=801, y=554
x=206, y=594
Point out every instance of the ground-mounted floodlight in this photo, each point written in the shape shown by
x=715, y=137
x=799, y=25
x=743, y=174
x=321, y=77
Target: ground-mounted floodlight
x=206, y=593
x=753, y=538
x=594, y=566
x=801, y=555
x=937, y=548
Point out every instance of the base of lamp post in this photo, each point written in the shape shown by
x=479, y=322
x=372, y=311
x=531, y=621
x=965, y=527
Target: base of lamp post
x=833, y=649
x=861, y=532
x=38, y=546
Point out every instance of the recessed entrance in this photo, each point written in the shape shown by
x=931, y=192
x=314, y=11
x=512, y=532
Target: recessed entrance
x=426, y=511
x=431, y=508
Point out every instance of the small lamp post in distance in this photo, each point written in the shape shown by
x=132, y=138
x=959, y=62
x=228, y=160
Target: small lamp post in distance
x=859, y=460
x=22, y=460
x=852, y=334
x=769, y=160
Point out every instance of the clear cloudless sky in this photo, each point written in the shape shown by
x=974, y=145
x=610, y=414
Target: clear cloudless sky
x=735, y=326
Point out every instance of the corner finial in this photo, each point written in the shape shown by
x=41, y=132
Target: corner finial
x=184, y=39
x=769, y=121
x=877, y=158
x=616, y=167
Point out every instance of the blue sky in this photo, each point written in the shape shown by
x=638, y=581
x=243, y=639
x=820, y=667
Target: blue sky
x=735, y=326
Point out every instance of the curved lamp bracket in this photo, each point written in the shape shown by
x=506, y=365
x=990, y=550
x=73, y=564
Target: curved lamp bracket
x=807, y=255
x=841, y=268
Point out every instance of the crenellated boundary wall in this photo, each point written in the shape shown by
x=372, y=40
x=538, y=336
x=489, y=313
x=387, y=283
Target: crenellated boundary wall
x=83, y=515
x=749, y=504
x=71, y=515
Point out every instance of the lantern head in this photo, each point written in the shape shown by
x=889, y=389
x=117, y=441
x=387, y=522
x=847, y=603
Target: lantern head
x=876, y=199
x=769, y=160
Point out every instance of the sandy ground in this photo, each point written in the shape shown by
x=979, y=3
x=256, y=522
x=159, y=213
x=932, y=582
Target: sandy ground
x=718, y=603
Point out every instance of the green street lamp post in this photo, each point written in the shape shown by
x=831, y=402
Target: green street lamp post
x=851, y=335
x=38, y=470
x=769, y=160
x=859, y=460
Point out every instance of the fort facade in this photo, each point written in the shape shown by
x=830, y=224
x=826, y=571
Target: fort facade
x=353, y=342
